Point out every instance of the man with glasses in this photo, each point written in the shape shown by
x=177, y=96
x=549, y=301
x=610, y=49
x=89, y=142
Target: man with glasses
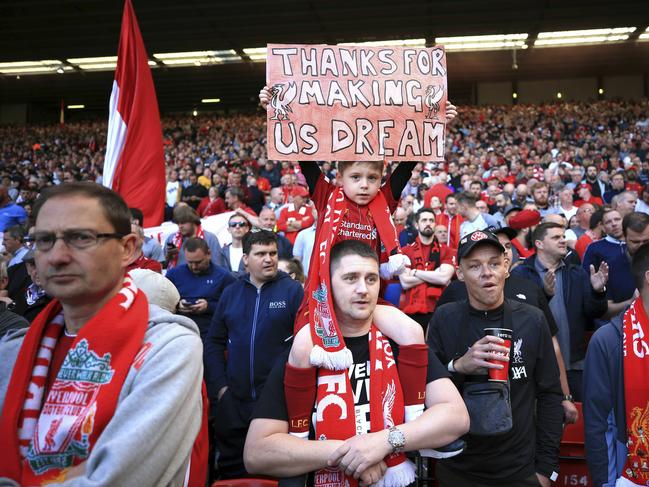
x=231, y=256
x=104, y=388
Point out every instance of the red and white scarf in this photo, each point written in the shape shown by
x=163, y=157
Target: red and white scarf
x=329, y=349
x=178, y=242
x=336, y=417
x=43, y=438
x=635, y=338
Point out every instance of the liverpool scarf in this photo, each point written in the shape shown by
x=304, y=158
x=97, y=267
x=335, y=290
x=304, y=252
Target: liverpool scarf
x=329, y=349
x=636, y=394
x=43, y=437
x=416, y=298
x=336, y=418
x=178, y=242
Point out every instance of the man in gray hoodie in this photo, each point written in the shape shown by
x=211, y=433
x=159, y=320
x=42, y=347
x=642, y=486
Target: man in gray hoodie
x=105, y=388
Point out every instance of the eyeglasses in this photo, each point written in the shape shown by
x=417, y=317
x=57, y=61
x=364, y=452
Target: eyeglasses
x=78, y=239
x=237, y=224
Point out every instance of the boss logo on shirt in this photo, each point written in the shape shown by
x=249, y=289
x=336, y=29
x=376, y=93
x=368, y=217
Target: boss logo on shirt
x=277, y=305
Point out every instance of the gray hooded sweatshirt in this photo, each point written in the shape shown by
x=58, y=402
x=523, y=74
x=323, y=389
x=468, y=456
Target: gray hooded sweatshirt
x=148, y=441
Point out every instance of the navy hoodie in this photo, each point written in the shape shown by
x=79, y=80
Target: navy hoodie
x=254, y=326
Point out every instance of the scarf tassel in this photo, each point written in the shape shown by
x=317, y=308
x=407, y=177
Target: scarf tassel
x=340, y=360
x=400, y=475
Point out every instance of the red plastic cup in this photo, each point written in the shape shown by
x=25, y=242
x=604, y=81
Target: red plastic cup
x=500, y=375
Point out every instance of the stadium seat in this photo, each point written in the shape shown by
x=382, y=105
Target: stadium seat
x=393, y=293
x=572, y=454
x=251, y=482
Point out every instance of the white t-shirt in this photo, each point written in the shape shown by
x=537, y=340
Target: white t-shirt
x=235, y=257
x=173, y=187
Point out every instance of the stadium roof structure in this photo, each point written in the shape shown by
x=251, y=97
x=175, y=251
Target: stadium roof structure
x=207, y=49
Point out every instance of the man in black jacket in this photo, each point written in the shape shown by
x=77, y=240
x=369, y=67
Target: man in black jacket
x=575, y=299
x=525, y=291
x=528, y=453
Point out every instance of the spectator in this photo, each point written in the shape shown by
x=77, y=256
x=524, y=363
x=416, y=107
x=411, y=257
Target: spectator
x=11, y=214
x=566, y=202
x=277, y=200
x=617, y=187
x=615, y=390
x=231, y=257
x=584, y=190
x=643, y=203
x=304, y=243
x=268, y=221
x=200, y=283
x=99, y=323
x=439, y=189
x=593, y=234
x=173, y=193
x=575, y=300
x=524, y=291
x=194, y=192
x=571, y=237
x=441, y=233
x=412, y=186
x=271, y=450
x=189, y=225
x=139, y=260
x=624, y=203
x=271, y=172
x=430, y=270
x=583, y=215
x=35, y=298
x=524, y=222
x=293, y=267
x=636, y=231
x=596, y=185
x=474, y=219
x=452, y=220
x=234, y=199
x=502, y=202
x=212, y=204
x=150, y=246
x=297, y=215
x=253, y=323
x=13, y=241
x=540, y=194
x=613, y=250
x=528, y=453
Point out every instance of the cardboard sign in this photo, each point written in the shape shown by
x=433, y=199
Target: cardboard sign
x=356, y=103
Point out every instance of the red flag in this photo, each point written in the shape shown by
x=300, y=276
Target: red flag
x=134, y=165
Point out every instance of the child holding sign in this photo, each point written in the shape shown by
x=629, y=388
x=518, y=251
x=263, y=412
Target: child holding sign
x=358, y=209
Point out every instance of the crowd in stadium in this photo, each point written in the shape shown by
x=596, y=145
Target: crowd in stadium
x=561, y=190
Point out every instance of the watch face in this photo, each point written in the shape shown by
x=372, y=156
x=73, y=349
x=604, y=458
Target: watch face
x=396, y=439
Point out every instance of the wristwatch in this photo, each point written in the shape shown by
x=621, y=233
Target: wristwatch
x=568, y=397
x=396, y=439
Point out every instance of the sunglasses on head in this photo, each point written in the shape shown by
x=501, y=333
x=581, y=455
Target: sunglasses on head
x=237, y=224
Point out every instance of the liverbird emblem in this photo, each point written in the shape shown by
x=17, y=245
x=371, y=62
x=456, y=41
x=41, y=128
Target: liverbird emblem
x=281, y=101
x=434, y=94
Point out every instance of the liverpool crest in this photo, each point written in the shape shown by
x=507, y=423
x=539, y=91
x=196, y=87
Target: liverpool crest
x=68, y=415
x=324, y=325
